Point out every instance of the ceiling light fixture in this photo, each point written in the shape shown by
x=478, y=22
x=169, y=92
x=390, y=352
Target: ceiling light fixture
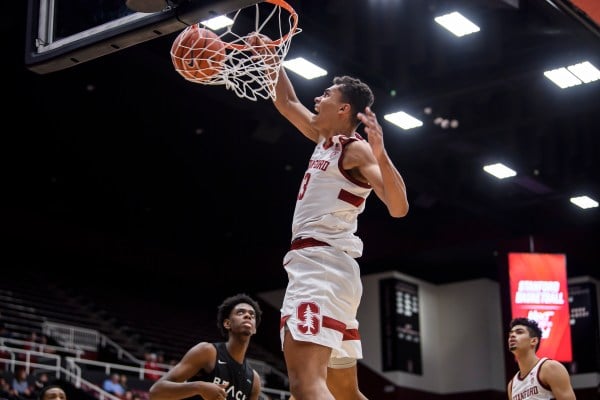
x=573, y=75
x=217, y=22
x=584, y=202
x=304, y=68
x=456, y=23
x=403, y=120
x=585, y=71
x=499, y=170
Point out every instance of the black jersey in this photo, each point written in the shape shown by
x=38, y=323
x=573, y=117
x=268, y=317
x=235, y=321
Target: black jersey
x=239, y=376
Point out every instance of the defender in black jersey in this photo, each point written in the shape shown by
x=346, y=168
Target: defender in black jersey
x=217, y=371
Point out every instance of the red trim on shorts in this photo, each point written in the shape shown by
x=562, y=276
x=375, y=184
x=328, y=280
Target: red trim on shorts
x=283, y=321
x=301, y=243
x=351, y=334
x=348, y=334
x=351, y=198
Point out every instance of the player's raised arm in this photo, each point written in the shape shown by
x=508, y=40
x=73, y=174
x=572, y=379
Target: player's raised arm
x=286, y=101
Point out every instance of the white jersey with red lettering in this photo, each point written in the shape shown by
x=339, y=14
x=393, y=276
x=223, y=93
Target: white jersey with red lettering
x=324, y=286
x=530, y=387
x=330, y=200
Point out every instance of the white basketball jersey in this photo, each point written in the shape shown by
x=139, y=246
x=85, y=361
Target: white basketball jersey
x=330, y=200
x=529, y=387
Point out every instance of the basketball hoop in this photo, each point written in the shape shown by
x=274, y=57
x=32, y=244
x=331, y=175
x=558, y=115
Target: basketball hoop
x=247, y=69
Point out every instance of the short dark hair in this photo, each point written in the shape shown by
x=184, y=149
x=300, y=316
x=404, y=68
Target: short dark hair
x=357, y=93
x=532, y=327
x=42, y=392
x=229, y=304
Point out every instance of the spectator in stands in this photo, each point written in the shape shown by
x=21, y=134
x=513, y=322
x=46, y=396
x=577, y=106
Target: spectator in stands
x=43, y=345
x=52, y=392
x=151, y=365
x=41, y=381
x=32, y=341
x=113, y=386
x=218, y=370
x=5, y=390
x=20, y=384
x=31, y=344
x=123, y=382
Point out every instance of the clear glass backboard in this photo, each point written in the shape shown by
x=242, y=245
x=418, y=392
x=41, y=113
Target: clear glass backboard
x=64, y=33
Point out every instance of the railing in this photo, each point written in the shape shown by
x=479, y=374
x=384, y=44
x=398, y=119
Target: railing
x=60, y=372
x=264, y=369
x=28, y=359
x=84, y=339
x=43, y=348
x=73, y=337
x=268, y=394
x=111, y=367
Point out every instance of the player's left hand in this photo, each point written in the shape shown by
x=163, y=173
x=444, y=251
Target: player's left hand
x=373, y=130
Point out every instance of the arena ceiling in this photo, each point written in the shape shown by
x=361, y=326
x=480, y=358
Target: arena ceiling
x=118, y=164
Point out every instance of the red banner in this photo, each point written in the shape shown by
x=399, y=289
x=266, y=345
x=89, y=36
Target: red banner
x=590, y=7
x=539, y=291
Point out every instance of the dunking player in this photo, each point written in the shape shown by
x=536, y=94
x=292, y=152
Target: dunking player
x=538, y=378
x=319, y=329
x=217, y=371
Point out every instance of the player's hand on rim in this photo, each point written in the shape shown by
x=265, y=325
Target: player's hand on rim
x=260, y=44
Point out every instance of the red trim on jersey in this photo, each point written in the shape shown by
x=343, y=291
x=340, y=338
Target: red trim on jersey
x=542, y=384
x=344, y=140
x=351, y=198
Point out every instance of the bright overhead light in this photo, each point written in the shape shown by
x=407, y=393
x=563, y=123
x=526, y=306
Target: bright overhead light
x=304, y=68
x=585, y=71
x=562, y=78
x=403, y=120
x=217, y=22
x=457, y=24
x=499, y=170
x=584, y=202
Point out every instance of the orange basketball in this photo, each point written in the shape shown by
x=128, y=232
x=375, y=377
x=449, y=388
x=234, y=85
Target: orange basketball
x=197, y=53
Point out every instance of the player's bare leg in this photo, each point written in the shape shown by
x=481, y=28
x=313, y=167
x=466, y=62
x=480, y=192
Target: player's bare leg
x=307, y=369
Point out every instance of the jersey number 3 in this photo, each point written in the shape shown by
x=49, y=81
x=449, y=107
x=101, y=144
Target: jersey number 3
x=304, y=185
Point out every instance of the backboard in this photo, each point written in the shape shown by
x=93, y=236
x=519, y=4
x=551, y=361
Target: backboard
x=64, y=33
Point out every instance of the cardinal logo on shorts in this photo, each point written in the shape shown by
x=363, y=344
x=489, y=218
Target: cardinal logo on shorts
x=309, y=315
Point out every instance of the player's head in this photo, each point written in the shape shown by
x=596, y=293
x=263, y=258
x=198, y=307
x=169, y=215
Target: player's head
x=356, y=93
x=532, y=327
x=52, y=392
x=224, y=310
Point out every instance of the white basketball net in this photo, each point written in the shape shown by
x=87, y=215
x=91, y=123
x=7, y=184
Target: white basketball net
x=248, y=70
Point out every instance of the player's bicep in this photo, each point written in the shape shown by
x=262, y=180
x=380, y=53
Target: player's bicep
x=199, y=357
x=360, y=156
x=557, y=377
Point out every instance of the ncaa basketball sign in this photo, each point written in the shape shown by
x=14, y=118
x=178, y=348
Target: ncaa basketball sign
x=539, y=291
